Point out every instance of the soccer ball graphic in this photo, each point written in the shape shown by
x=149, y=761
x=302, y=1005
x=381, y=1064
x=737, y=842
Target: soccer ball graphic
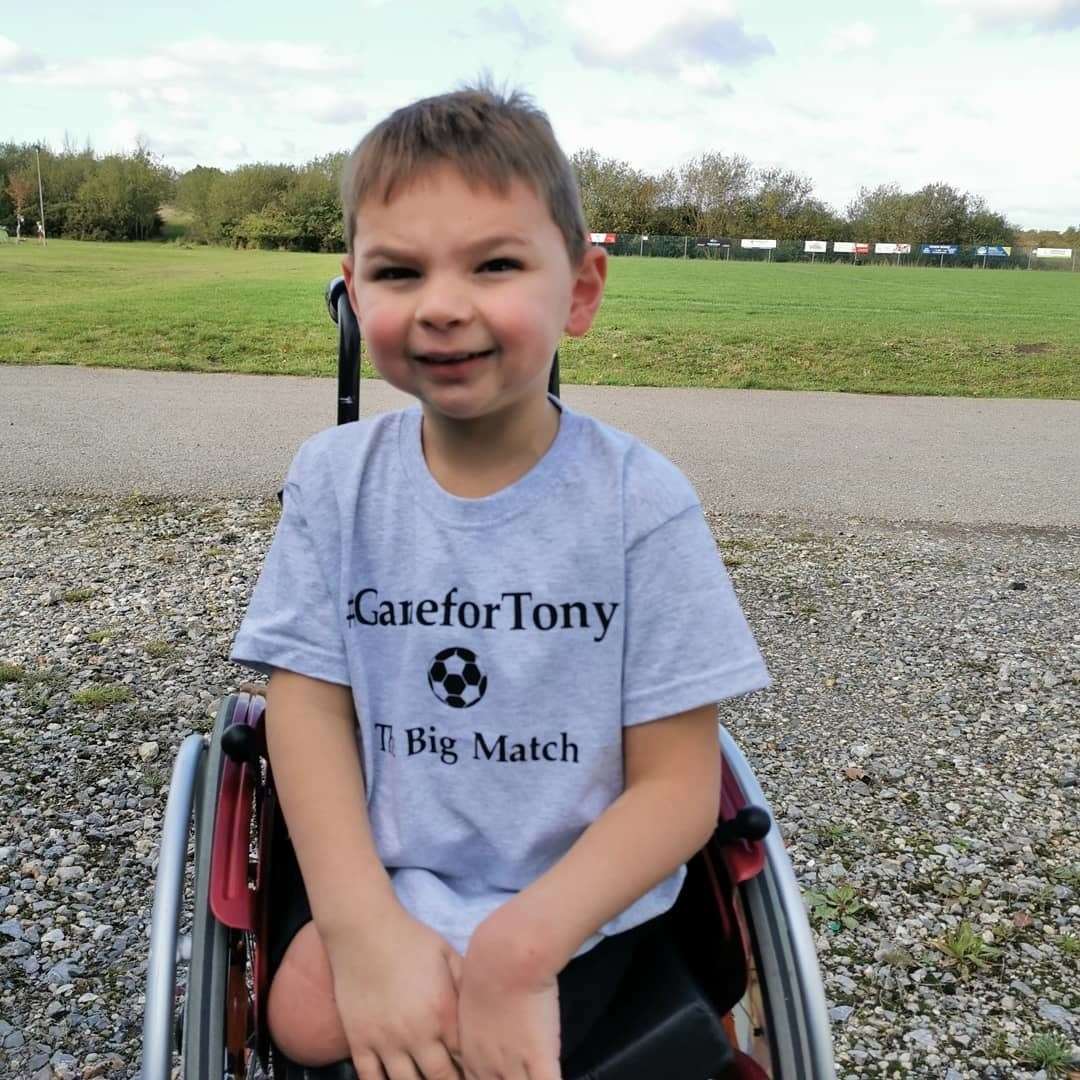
x=455, y=678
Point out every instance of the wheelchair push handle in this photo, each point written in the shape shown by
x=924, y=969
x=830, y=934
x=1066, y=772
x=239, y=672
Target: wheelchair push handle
x=750, y=823
x=337, y=302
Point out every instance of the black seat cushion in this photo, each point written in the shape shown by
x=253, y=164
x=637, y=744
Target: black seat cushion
x=661, y=1024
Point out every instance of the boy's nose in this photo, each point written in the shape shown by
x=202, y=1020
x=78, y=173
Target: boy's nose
x=442, y=305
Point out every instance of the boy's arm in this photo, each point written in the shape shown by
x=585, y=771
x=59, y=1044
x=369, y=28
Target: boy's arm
x=311, y=739
x=666, y=813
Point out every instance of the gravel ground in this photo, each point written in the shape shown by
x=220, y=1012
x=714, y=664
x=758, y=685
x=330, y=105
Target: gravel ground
x=919, y=749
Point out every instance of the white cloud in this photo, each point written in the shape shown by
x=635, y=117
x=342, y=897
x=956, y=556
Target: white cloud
x=123, y=134
x=508, y=20
x=1044, y=15
x=172, y=148
x=176, y=95
x=207, y=61
x=182, y=85
x=228, y=146
x=857, y=35
x=706, y=79
x=15, y=60
x=276, y=56
x=681, y=38
x=326, y=104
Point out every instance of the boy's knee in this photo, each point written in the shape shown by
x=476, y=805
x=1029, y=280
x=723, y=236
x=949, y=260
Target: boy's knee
x=301, y=1012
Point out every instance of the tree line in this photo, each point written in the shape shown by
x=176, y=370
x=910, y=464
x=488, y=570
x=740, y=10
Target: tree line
x=121, y=196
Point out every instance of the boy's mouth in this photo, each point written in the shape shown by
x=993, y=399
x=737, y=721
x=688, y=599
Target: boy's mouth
x=451, y=358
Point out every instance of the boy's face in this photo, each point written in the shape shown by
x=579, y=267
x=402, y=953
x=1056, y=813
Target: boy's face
x=463, y=295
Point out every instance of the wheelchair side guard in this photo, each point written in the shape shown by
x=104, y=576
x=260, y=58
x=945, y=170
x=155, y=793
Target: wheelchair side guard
x=231, y=899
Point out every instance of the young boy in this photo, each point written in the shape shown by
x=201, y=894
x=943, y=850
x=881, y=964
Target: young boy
x=496, y=629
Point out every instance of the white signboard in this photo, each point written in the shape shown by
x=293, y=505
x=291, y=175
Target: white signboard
x=892, y=249
x=816, y=245
x=1053, y=253
x=758, y=243
x=846, y=247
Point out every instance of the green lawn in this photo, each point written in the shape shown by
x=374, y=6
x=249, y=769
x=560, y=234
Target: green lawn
x=665, y=322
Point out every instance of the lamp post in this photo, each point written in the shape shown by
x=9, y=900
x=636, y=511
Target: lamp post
x=41, y=195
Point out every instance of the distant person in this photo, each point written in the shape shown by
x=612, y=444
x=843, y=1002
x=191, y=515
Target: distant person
x=496, y=631
x=41, y=231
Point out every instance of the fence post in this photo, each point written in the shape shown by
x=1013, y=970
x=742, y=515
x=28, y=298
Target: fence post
x=685, y=245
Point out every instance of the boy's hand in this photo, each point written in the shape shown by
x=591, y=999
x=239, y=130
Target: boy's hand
x=396, y=993
x=508, y=1016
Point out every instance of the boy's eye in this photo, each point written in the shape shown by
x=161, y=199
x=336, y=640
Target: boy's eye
x=499, y=265
x=393, y=273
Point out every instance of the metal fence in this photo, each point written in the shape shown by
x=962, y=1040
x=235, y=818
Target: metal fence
x=989, y=257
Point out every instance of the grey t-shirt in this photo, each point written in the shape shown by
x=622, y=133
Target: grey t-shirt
x=496, y=647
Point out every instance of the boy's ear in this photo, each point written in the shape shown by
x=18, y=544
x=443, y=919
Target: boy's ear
x=347, y=273
x=587, y=290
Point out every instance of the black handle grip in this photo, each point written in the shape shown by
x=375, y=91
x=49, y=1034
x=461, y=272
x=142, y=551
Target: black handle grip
x=750, y=823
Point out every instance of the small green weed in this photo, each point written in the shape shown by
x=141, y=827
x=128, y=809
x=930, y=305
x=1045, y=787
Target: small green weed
x=965, y=948
x=97, y=697
x=76, y=596
x=836, y=907
x=36, y=697
x=737, y=543
x=99, y=636
x=36, y=691
x=1049, y=1052
x=11, y=673
x=269, y=513
x=159, y=649
x=137, y=502
x=1069, y=875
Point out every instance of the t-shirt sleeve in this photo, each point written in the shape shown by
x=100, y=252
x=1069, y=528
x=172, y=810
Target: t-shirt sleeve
x=687, y=641
x=291, y=622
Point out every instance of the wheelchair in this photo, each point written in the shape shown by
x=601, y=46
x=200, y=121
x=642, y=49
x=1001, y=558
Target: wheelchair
x=728, y=988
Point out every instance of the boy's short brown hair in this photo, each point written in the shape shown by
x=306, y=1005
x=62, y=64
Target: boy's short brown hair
x=491, y=138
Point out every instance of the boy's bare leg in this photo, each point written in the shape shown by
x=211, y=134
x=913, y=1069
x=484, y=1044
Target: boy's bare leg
x=302, y=1012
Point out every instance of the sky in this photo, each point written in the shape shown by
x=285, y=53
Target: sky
x=980, y=94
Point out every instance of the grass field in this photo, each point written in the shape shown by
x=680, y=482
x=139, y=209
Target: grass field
x=665, y=322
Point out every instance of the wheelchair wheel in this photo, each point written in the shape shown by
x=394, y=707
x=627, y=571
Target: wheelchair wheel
x=217, y=1008
x=781, y=1024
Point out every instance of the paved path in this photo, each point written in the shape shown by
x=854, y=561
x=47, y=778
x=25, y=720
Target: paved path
x=941, y=460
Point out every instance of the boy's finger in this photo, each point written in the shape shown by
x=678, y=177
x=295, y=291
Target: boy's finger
x=456, y=965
